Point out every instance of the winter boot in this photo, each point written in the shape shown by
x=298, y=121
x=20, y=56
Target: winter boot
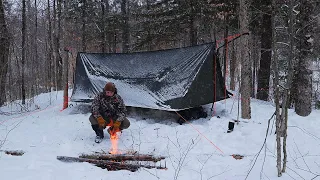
x=99, y=133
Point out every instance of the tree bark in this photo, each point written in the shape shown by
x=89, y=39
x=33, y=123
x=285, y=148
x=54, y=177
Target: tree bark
x=303, y=78
x=265, y=62
x=4, y=53
x=245, y=62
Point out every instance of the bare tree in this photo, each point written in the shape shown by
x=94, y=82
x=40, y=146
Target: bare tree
x=245, y=88
x=4, y=53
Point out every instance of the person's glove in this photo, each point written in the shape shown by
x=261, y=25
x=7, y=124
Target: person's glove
x=116, y=126
x=114, y=129
x=101, y=122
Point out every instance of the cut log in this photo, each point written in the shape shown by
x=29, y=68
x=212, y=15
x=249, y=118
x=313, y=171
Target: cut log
x=123, y=157
x=108, y=164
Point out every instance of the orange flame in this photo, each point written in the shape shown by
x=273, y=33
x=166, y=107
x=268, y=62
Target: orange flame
x=114, y=144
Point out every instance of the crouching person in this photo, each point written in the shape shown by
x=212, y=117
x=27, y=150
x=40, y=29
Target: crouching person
x=108, y=109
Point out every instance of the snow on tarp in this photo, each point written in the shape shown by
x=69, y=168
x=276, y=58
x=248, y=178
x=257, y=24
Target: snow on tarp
x=170, y=80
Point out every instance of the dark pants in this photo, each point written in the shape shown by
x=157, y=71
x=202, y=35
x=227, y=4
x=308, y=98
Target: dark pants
x=99, y=131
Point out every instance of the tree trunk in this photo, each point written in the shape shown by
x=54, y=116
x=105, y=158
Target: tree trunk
x=149, y=42
x=255, y=59
x=125, y=27
x=285, y=101
x=233, y=65
x=83, y=29
x=265, y=62
x=36, y=62
x=115, y=39
x=4, y=54
x=192, y=31
x=303, y=79
x=23, y=54
x=50, y=51
x=225, y=49
x=276, y=91
x=65, y=56
x=245, y=62
x=105, y=12
x=57, y=54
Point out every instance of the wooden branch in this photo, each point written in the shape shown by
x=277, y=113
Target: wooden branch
x=121, y=157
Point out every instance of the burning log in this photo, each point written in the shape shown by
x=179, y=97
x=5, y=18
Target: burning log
x=111, y=165
x=122, y=157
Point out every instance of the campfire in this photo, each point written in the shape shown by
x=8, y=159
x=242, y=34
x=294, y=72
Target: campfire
x=114, y=160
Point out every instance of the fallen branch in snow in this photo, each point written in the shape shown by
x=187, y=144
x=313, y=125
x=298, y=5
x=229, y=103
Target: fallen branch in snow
x=308, y=133
x=121, y=157
x=5, y=139
x=264, y=143
x=315, y=177
x=112, y=164
x=13, y=153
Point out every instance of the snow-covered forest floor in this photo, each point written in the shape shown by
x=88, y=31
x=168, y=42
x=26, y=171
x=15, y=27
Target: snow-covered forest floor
x=200, y=150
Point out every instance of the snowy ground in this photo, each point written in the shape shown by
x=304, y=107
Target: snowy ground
x=191, y=150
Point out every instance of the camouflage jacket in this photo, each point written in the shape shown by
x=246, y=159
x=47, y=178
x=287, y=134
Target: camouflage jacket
x=108, y=107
